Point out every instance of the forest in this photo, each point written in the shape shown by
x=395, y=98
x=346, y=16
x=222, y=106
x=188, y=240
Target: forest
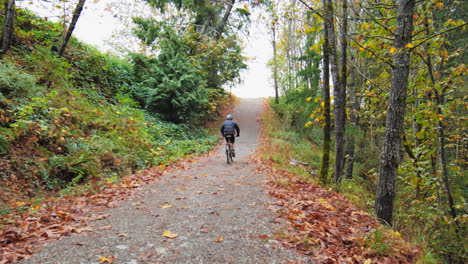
x=370, y=95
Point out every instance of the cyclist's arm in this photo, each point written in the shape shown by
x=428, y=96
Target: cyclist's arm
x=237, y=129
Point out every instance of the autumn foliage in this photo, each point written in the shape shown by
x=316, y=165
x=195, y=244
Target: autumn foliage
x=325, y=225
x=322, y=223
x=34, y=223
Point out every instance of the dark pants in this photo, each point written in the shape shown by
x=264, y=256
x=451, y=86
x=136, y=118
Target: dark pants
x=230, y=138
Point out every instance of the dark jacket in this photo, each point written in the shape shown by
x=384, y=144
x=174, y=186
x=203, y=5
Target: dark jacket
x=230, y=125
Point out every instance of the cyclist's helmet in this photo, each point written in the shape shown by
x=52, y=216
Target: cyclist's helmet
x=229, y=117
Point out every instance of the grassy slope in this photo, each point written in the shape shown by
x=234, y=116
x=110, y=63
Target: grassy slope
x=65, y=121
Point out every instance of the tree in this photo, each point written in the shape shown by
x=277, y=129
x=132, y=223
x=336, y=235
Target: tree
x=172, y=85
x=274, y=25
x=8, y=27
x=210, y=18
x=325, y=161
x=71, y=27
x=275, y=60
x=339, y=74
x=389, y=159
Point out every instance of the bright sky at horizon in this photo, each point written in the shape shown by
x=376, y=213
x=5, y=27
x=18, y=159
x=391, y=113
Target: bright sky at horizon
x=98, y=26
x=257, y=79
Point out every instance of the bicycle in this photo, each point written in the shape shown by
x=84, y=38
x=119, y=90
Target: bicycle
x=229, y=154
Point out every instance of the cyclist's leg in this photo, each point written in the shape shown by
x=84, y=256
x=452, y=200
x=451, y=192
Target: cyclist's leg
x=233, y=139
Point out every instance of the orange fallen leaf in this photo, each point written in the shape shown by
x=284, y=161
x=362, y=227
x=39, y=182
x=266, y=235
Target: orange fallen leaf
x=168, y=234
x=198, y=192
x=106, y=259
x=220, y=238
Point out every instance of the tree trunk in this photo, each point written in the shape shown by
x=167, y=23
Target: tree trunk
x=340, y=99
x=353, y=124
x=440, y=98
x=339, y=86
x=389, y=159
x=275, y=66
x=325, y=162
x=224, y=21
x=9, y=26
x=76, y=15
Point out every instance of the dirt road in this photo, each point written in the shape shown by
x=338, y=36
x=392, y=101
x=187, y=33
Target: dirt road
x=218, y=211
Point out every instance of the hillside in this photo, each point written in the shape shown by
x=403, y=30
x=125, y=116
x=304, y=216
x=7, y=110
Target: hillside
x=67, y=120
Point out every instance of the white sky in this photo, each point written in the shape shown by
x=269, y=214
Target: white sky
x=97, y=27
x=257, y=80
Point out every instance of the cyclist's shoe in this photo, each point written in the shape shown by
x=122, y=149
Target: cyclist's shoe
x=233, y=152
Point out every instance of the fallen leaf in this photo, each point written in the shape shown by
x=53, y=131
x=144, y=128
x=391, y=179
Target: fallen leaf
x=123, y=235
x=76, y=230
x=168, y=234
x=106, y=259
x=198, y=192
x=166, y=206
x=220, y=238
x=204, y=229
x=102, y=217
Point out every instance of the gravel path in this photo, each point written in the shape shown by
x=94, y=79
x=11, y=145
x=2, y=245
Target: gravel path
x=218, y=211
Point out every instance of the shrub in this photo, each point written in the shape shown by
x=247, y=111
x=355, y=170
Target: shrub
x=16, y=84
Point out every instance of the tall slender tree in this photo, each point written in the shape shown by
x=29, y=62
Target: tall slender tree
x=71, y=27
x=325, y=161
x=8, y=27
x=389, y=159
x=275, y=60
x=339, y=80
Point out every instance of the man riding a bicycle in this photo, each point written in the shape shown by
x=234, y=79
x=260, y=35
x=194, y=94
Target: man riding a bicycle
x=229, y=129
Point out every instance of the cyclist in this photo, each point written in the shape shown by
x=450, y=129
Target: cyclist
x=230, y=127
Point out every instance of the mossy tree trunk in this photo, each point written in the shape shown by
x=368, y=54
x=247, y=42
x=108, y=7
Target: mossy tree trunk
x=325, y=162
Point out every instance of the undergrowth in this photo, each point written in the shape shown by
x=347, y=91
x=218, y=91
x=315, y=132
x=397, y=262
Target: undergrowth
x=283, y=141
x=67, y=121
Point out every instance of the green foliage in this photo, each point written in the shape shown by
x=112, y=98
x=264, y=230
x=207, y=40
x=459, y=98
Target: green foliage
x=15, y=83
x=104, y=75
x=377, y=242
x=30, y=29
x=52, y=71
x=295, y=108
x=172, y=84
x=284, y=143
x=4, y=144
x=66, y=120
